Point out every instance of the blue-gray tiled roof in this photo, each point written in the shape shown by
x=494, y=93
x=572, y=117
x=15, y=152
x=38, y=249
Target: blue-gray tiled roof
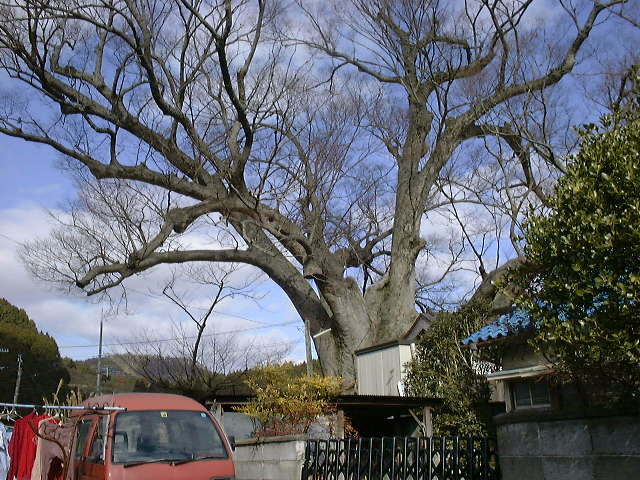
x=509, y=324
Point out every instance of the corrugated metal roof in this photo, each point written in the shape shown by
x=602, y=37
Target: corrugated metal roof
x=509, y=324
x=383, y=346
x=422, y=323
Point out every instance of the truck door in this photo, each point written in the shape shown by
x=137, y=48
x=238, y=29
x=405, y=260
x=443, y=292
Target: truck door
x=83, y=431
x=92, y=463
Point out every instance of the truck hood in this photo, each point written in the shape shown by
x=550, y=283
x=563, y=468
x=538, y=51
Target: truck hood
x=196, y=470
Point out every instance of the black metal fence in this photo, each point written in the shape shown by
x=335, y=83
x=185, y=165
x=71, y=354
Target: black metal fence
x=402, y=458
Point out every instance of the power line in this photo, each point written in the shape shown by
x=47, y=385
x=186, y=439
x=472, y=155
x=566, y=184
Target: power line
x=142, y=342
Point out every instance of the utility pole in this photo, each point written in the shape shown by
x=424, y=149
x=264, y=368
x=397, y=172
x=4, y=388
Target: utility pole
x=307, y=344
x=99, y=358
x=18, y=379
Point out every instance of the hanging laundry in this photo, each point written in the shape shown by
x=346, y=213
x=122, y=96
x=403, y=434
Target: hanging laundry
x=35, y=471
x=4, y=452
x=54, y=451
x=22, y=447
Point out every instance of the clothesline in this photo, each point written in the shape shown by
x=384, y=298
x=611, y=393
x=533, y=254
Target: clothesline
x=63, y=407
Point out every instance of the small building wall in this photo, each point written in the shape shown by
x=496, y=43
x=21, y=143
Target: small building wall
x=380, y=371
x=521, y=356
x=270, y=458
x=519, y=361
x=538, y=446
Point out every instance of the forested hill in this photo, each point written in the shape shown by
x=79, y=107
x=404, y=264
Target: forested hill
x=42, y=366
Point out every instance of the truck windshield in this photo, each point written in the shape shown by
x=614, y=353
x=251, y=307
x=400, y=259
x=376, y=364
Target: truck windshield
x=156, y=435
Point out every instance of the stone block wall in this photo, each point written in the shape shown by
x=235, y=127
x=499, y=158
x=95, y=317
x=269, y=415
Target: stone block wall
x=270, y=458
x=592, y=448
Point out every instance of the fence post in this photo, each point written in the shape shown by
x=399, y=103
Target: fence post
x=485, y=459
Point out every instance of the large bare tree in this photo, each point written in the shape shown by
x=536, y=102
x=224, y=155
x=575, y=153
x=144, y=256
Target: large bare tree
x=316, y=142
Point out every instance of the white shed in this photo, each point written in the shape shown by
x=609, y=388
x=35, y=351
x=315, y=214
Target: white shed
x=381, y=368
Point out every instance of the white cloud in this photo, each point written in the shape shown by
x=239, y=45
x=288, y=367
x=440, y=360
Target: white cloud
x=73, y=319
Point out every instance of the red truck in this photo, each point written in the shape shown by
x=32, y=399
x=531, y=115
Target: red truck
x=155, y=436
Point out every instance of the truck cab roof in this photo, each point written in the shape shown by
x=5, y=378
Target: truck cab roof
x=144, y=401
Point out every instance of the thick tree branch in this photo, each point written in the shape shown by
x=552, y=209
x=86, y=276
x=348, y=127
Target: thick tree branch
x=481, y=107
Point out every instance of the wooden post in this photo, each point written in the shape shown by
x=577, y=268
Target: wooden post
x=340, y=424
x=427, y=422
x=307, y=344
x=217, y=411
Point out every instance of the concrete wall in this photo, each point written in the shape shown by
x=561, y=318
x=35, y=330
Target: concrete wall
x=238, y=424
x=270, y=458
x=594, y=448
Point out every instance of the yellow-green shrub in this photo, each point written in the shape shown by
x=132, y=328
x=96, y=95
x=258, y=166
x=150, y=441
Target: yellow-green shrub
x=284, y=404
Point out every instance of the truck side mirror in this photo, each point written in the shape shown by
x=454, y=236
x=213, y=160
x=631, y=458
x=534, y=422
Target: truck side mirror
x=232, y=442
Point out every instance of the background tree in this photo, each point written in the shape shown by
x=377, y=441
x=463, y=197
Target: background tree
x=199, y=362
x=224, y=285
x=445, y=369
x=225, y=361
x=42, y=367
x=320, y=146
x=585, y=287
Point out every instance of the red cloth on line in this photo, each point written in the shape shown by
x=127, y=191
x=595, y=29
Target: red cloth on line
x=15, y=446
x=22, y=446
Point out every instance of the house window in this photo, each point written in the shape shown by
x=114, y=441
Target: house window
x=530, y=394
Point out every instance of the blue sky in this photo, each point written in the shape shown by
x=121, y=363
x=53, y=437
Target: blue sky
x=29, y=175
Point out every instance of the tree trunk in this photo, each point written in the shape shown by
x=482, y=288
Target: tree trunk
x=387, y=310
x=359, y=321
x=351, y=328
